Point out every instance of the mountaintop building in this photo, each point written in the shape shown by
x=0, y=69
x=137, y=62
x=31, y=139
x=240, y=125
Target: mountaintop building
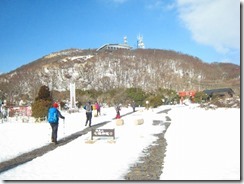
x=112, y=47
x=123, y=46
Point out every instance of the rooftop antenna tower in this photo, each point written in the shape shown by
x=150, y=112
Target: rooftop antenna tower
x=140, y=43
x=125, y=40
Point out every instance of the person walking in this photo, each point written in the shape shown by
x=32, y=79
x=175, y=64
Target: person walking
x=134, y=106
x=98, y=108
x=5, y=113
x=53, y=119
x=88, y=107
x=117, y=108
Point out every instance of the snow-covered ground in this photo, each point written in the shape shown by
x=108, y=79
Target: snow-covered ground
x=201, y=145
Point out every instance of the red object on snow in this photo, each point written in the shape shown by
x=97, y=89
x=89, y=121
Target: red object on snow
x=187, y=93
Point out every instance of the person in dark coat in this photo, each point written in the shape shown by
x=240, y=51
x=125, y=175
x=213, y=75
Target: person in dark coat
x=133, y=106
x=54, y=125
x=88, y=107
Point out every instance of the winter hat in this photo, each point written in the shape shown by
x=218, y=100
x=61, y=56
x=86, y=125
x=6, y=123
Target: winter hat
x=55, y=104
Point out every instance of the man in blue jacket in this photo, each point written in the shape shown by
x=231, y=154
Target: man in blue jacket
x=53, y=119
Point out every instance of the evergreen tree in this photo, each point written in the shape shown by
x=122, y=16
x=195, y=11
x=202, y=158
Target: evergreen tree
x=42, y=103
x=136, y=94
x=44, y=94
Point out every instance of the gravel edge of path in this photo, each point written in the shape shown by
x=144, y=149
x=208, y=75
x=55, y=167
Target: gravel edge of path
x=150, y=166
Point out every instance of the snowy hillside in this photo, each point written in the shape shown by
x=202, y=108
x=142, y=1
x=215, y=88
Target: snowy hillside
x=90, y=69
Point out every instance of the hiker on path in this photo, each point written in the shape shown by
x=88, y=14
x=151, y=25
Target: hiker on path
x=133, y=106
x=53, y=118
x=4, y=112
x=117, y=108
x=98, y=108
x=88, y=107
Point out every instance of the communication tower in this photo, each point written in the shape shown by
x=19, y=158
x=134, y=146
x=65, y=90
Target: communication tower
x=125, y=40
x=140, y=43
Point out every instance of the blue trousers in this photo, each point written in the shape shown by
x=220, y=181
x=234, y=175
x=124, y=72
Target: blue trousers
x=88, y=118
x=54, y=131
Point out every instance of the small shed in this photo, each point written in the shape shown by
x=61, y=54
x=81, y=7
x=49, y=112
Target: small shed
x=219, y=92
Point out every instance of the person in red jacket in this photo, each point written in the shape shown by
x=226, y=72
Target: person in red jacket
x=117, y=108
x=98, y=108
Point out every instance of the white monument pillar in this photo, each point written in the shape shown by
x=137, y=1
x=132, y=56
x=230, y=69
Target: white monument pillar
x=72, y=95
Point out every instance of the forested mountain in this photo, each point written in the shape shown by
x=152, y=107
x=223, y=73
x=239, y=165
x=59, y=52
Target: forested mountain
x=148, y=69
